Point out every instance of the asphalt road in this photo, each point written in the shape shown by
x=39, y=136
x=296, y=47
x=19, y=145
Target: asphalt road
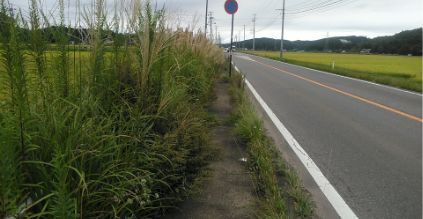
x=365, y=138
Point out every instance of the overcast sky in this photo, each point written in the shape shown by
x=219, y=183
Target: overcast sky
x=369, y=18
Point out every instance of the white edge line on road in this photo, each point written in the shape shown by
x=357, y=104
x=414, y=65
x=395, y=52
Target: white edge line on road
x=346, y=77
x=325, y=186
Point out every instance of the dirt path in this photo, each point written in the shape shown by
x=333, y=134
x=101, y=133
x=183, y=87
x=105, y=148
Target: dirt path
x=229, y=191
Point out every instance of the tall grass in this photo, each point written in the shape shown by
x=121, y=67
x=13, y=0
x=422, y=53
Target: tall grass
x=279, y=188
x=14, y=129
x=133, y=136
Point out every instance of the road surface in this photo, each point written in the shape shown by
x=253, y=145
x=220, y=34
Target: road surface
x=365, y=138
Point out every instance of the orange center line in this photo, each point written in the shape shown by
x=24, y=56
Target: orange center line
x=362, y=99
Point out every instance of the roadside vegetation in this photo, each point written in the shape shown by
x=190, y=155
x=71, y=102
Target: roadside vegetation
x=278, y=186
x=101, y=131
x=398, y=71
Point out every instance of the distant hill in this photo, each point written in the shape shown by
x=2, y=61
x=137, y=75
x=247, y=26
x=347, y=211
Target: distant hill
x=405, y=42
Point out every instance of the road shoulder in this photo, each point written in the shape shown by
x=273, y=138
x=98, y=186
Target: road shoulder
x=229, y=191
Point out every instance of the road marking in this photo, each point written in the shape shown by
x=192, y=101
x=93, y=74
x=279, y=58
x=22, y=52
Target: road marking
x=346, y=77
x=362, y=99
x=338, y=203
x=246, y=58
x=359, y=80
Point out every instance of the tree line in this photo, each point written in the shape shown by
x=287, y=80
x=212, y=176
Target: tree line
x=403, y=43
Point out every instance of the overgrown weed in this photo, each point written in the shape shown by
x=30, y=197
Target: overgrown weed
x=275, y=182
x=105, y=131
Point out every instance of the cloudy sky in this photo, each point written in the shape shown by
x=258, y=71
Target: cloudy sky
x=305, y=19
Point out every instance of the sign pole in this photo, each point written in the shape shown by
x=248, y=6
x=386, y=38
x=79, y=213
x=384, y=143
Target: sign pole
x=230, y=49
x=231, y=7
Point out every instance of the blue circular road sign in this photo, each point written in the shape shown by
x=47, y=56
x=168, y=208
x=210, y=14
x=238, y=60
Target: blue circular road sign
x=231, y=6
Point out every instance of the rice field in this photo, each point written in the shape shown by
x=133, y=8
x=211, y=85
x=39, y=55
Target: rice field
x=399, y=71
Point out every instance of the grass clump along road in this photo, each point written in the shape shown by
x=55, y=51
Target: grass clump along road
x=398, y=71
x=278, y=186
x=101, y=134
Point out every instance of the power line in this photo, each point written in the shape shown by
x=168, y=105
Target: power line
x=313, y=7
x=318, y=11
x=264, y=27
x=330, y=3
x=327, y=5
x=308, y=4
x=292, y=12
x=322, y=8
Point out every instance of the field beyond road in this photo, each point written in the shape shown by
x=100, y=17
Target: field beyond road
x=398, y=71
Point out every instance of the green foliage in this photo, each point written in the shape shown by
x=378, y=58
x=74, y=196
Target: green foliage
x=10, y=174
x=114, y=131
x=13, y=122
x=303, y=204
x=275, y=183
x=38, y=47
x=250, y=129
x=404, y=43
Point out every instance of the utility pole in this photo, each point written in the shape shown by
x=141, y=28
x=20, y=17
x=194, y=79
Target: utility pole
x=211, y=24
x=326, y=48
x=239, y=39
x=283, y=28
x=254, y=32
x=215, y=35
x=243, y=44
x=207, y=11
